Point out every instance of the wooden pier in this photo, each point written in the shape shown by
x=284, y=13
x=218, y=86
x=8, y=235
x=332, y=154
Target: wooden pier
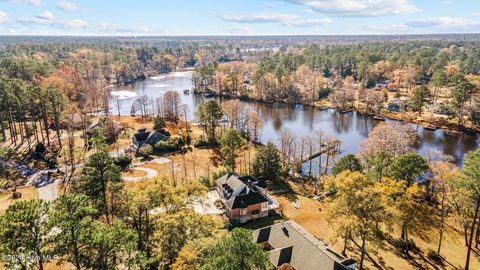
x=323, y=150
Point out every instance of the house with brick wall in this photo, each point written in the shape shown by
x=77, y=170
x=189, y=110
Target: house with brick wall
x=244, y=198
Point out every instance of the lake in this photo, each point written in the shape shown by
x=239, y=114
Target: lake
x=350, y=128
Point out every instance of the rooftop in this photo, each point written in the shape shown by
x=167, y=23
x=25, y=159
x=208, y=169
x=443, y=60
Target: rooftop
x=289, y=243
x=240, y=192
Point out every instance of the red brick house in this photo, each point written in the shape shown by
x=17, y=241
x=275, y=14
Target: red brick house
x=243, y=198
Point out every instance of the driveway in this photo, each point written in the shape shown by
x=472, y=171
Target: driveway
x=207, y=205
x=150, y=174
x=49, y=192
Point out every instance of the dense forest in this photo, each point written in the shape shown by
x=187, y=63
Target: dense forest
x=447, y=71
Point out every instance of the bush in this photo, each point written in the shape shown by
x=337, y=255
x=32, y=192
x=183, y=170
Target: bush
x=39, y=151
x=123, y=162
x=370, y=82
x=434, y=256
x=216, y=175
x=201, y=144
x=52, y=164
x=145, y=150
x=400, y=244
x=159, y=124
x=166, y=146
x=324, y=93
x=205, y=181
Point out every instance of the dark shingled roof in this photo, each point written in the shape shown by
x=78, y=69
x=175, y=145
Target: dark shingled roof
x=143, y=134
x=292, y=244
x=244, y=200
x=240, y=192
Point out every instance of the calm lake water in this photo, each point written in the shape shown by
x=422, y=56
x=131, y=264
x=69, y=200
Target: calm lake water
x=350, y=128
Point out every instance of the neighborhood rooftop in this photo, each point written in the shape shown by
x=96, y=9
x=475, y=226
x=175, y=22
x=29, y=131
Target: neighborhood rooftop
x=289, y=243
x=240, y=192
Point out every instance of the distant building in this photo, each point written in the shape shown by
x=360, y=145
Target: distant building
x=439, y=109
x=243, y=198
x=393, y=107
x=287, y=243
x=147, y=136
x=397, y=105
x=112, y=125
x=381, y=84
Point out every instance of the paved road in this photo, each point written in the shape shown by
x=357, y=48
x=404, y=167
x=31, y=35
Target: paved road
x=49, y=192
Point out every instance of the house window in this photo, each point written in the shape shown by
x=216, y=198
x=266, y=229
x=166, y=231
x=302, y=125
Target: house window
x=243, y=211
x=264, y=205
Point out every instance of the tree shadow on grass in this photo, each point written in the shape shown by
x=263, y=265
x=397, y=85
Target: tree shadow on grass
x=415, y=257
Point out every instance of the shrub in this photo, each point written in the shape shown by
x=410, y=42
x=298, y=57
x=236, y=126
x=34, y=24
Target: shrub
x=39, y=151
x=159, y=124
x=166, y=146
x=324, y=93
x=401, y=244
x=201, y=144
x=370, y=82
x=145, y=150
x=216, y=175
x=122, y=161
x=434, y=256
x=52, y=164
x=205, y=181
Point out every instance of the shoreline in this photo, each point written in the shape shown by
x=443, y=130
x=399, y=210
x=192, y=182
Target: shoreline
x=322, y=105
x=147, y=76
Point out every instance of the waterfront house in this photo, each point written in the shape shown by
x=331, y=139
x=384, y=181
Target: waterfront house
x=287, y=243
x=393, y=107
x=439, y=109
x=147, y=136
x=397, y=105
x=244, y=198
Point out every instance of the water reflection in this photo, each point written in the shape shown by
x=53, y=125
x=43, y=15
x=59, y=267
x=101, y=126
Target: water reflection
x=350, y=128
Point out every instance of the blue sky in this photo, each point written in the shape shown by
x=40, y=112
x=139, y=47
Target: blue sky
x=238, y=17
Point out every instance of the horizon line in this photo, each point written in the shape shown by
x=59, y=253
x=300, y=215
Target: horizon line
x=228, y=35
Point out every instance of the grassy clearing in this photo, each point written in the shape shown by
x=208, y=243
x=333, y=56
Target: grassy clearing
x=28, y=193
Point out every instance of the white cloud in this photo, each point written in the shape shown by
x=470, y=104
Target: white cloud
x=308, y=11
x=259, y=18
x=281, y=18
x=46, y=15
x=30, y=2
x=67, y=24
x=4, y=17
x=62, y=24
x=69, y=6
x=309, y=22
x=358, y=8
x=443, y=22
